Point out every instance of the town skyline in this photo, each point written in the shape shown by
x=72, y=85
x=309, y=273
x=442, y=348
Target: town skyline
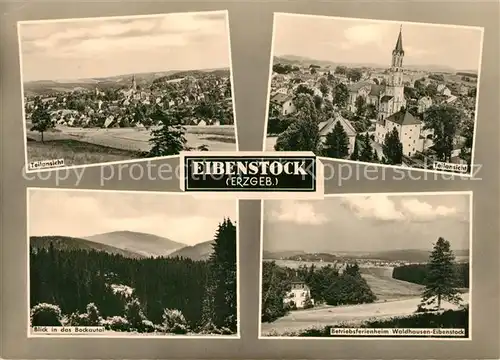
x=344, y=40
x=85, y=213
x=89, y=48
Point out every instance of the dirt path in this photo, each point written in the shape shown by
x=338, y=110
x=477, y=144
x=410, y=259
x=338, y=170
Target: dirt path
x=302, y=319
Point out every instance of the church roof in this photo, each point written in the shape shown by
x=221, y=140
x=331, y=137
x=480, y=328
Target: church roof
x=398, y=49
x=386, y=98
x=403, y=118
x=376, y=90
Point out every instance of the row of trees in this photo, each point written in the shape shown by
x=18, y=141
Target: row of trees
x=204, y=292
x=328, y=285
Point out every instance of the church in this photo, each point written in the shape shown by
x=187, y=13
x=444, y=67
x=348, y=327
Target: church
x=387, y=99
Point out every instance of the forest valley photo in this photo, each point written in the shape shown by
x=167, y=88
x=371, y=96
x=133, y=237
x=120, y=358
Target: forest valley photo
x=340, y=296
x=166, y=296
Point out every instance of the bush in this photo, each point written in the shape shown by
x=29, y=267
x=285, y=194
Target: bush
x=134, y=315
x=44, y=314
x=174, y=322
x=116, y=323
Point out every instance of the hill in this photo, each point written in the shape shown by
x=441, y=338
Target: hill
x=305, y=61
x=45, y=87
x=66, y=243
x=201, y=251
x=409, y=255
x=277, y=255
x=144, y=244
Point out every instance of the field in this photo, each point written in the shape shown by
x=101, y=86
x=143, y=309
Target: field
x=378, y=278
x=395, y=298
x=303, y=319
x=78, y=146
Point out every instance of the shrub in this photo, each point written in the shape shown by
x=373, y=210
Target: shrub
x=174, y=322
x=116, y=323
x=44, y=314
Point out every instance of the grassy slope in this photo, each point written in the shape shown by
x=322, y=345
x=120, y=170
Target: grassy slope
x=76, y=152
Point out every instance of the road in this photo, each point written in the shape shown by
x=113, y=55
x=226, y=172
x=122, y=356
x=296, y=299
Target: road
x=302, y=319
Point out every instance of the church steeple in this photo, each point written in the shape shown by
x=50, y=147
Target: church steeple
x=134, y=83
x=398, y=49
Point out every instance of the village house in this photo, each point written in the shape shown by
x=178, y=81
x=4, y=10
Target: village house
x=298, y=295
x=443, y=90
x=424, y=103
x=410, y=132
x=284, y=102
x=326, y=127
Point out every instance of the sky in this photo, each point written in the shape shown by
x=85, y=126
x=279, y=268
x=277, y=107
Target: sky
x=83, y=213
x=77, y=49
x=367, y=223
x=365, y=41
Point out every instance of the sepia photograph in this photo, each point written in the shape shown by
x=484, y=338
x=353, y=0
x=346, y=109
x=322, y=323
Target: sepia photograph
x=119, y=89
x=397, y=94
x=367, y=266
x=134, y=264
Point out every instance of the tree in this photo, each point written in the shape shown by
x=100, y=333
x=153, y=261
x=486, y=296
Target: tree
x=341, y=70
x=40, y=119
x=323, y=87
x=337, y=142
x=366, y=154
x=308, y=302
x=441, y=280
x=354, y=74
x=301, y=135
x=393, y=148
x=134, y=314
x=355, y=152
x=443, y=119
x=221, y=290
x=169, y=138
x=303, y=89
x=360, y=106
x=341, y=95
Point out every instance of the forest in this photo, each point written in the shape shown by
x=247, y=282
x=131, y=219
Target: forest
x=418, y=274
x=171, y=295
x=327, y=284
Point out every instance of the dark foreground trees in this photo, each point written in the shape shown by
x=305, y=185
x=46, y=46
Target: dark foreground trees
x=78, y=287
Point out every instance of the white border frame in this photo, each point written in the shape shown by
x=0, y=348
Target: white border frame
x=66, y=167
x=124, y=335
x=257, y=195
x=404, y=338
x=476, y=112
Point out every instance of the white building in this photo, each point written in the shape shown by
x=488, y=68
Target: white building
x=409, y=130
x=424, y=103
x=284, y=102
x=298, y=295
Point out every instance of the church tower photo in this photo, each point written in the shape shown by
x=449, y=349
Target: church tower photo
x=393, y=98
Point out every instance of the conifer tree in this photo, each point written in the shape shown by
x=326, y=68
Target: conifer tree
x=366, y=154
x=441, y=281
x=222, y=284
x=169, y=138
x=337, y=142
x=393, y=148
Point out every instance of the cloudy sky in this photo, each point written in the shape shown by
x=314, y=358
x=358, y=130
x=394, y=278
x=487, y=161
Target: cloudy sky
x=58, y=50
x=367, y=223
x=362, y=41
x=83, y=213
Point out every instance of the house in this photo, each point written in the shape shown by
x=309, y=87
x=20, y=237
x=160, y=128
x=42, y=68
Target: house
x=298, y=295
x=284, y=102
x=409, y=130
x=424, y=103
x=326, y=127
x=443, y=90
